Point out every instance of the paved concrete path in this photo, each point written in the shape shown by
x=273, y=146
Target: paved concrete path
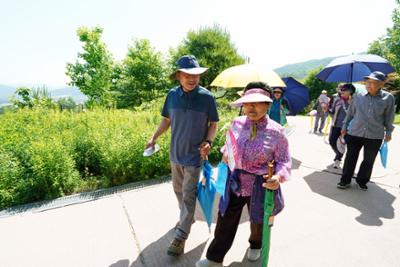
x=320, y=226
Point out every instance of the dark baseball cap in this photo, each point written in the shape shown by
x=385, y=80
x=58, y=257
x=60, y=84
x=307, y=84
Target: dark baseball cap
x=377, y=76
x=189, y=64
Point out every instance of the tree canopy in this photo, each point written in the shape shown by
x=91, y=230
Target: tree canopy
x=93, y=70
x=213, y=48
x=388, y=46
x=143, y=75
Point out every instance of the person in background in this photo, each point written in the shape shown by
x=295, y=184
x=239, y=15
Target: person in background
x=338, y=110
x=191, y=112
x=279, y=107
x=369, y=120
x=322, y=107
x=260, y=140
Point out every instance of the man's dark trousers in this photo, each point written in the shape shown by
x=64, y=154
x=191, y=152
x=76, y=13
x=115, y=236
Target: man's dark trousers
x=354, y=145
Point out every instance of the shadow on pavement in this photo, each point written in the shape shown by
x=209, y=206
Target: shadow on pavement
x=155, y=255
x=245, y=263
x=295, y=164
x=374, y=204
x=198, y=214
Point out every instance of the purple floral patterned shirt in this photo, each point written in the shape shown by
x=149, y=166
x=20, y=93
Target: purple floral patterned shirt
x=269, y=144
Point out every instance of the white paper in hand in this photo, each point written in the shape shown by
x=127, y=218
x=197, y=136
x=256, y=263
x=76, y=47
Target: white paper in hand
x=341, y=145
x=151, y=150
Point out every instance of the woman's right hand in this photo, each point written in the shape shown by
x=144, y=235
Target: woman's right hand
x=272, y=183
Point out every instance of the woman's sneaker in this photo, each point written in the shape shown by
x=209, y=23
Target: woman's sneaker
x=253, y=254
x=208, y=263
x=336, y=164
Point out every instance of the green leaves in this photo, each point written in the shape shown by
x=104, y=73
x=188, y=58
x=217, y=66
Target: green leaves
x=213, y=48
x=46, y=154
x=388, y=46
x=143, y=75
x=316, y=85
x=94, y=71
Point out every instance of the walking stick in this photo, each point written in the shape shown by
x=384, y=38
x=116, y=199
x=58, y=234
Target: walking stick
x=268, y=218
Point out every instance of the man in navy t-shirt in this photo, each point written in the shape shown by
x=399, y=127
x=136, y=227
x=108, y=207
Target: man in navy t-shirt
x=191, y=112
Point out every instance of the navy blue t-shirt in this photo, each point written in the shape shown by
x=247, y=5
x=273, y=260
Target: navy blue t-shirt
x=190, y=114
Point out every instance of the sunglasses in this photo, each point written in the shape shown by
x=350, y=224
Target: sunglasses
x=277, y=92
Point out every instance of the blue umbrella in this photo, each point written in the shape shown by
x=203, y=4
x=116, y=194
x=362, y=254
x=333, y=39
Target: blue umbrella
x=353, y=68
x=296, y=95
x=206, y=192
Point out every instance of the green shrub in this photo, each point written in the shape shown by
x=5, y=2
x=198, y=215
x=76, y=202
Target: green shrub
x=46, y=153
x=53, y=170
x=10, y=176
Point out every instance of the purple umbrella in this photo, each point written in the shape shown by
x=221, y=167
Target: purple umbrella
x=353, y=68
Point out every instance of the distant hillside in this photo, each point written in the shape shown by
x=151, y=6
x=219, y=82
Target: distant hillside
x=301, y=69
x=70, y=91
x=7, y=91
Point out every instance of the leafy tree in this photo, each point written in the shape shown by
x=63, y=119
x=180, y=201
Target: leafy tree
x=93, y=70
x=141, y=77
x=388, y=46
x=21, y=98
x=213, y=48
x=393, y=39
x=316, y=85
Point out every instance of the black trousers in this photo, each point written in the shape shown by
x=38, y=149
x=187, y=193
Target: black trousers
x=354, y=145
x=226, y=229
x=333, y=137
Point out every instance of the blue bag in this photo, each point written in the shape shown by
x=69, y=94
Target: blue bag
x=384, y=154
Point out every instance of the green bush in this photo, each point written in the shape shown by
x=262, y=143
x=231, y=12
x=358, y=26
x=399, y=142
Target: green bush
x=52, y=173
x=45, y=154
x=10, y=176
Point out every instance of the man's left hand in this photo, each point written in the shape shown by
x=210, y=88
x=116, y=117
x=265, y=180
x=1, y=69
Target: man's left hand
x=204, y=149
x=388, y=138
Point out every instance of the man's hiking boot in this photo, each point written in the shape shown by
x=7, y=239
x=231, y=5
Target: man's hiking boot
x=176, y=247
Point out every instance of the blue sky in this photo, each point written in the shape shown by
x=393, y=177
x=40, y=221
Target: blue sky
x=39, y=37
